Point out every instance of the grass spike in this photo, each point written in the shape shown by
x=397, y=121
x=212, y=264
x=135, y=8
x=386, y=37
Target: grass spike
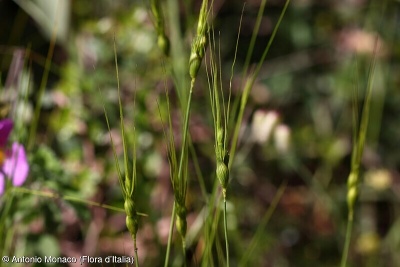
x=358, y=149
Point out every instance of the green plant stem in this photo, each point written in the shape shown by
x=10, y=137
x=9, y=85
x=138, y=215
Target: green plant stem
x=211, y=224
x=3, y=222
x=178, y=59
x=179, y=71
x=358, y=149
x=348, y=237
x=197, y=169
x=184, y=145
x=254, y=36
x=185, y=129
x=258, y=234
x=184, y=251
x=226, y=230
x=136, y=254
x=35, y=122
x=9, y=241
x=171, y=230
x=71, y=198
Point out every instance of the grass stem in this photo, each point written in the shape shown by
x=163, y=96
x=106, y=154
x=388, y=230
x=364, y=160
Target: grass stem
x=47, y=66
x=226, y=230
x=263, y=223
x=347, y=242
x=185, y=129
x=184, y=251
x=136, y=254
x=171, y=231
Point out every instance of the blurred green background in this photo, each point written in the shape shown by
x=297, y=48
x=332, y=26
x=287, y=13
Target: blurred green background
x=297, y=128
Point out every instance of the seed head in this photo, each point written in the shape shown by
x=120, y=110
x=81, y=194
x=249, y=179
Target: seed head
x=200, y=42
x=162, y=40
x=181, y=224
x=131, y=217
x=352, y=180
x=352, y=194
x=194, y=65
x=130, y=207
x=132, y=225
x=222, y=173
x=163, y=44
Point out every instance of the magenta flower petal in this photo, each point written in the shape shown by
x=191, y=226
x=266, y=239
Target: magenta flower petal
x=2, y=184
x=6, y=126
x=16, y=165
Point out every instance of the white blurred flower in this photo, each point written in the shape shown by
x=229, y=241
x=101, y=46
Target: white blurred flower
x=282, y=138
x=379, y=179
x=368, y=243
x=361, y=42
x=263, y=125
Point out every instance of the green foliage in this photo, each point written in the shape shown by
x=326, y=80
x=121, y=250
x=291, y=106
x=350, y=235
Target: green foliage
x=288, y=193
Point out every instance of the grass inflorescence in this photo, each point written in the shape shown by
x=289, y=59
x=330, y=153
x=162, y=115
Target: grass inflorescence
x=211, y=223
x=359, y=140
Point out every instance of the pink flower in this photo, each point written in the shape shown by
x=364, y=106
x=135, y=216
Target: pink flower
x=13, y=162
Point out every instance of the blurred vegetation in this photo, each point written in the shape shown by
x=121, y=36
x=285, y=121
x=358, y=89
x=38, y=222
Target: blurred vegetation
x=321, y=53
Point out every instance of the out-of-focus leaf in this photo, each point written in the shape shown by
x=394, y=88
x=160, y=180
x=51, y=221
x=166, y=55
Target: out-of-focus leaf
x=48, y=246
x=47, y=14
